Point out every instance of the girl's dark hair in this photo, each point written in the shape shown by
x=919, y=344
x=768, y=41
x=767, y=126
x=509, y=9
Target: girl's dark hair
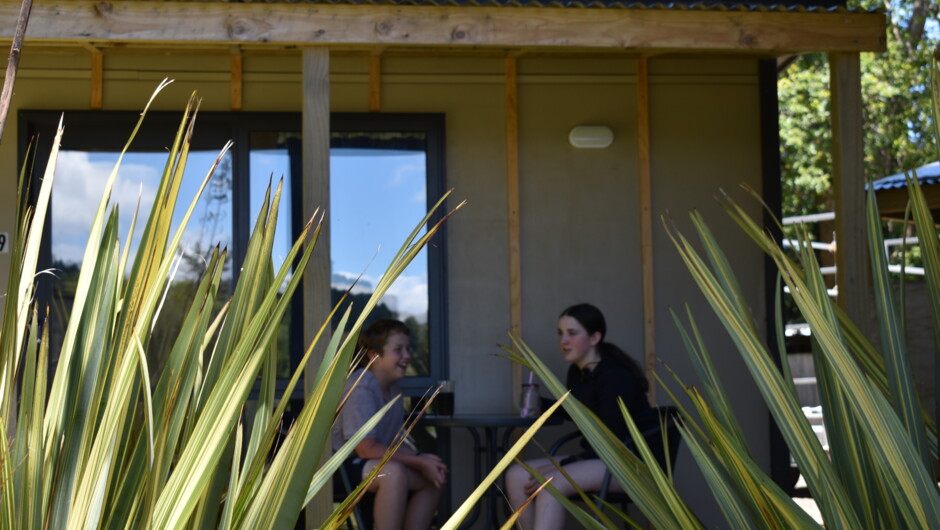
x=593, y=322
x=376, y=335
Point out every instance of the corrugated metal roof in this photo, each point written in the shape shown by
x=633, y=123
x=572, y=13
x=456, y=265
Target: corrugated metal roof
x=816, y=6
x=928, y=174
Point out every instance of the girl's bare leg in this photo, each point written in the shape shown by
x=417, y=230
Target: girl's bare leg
x=587, y=474
x=519, y=484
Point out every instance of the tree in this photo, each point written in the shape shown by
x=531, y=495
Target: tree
x=898, y=123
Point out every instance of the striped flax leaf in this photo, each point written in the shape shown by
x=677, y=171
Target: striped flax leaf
x=29, y=257
x=719, y=264
x=22, y=446
x=146, y=269
x=223, y=405
x=54, y=422
x=775, y=506
x=172, y=394
x=781, y=402
x=733, y=469
x=708, y=375
x=849, y=460
x=244, y=301
x=912, y=488
x=284, y=487
x=930, y=248
x=101, y=425
x=266, y=401
x=733, y=507
x=683, y=515
x=893, y=340
x=8, y=510
x=170, y=405
x=233, y=480
x=11, y=302
x=935, y=99
x=83, y=404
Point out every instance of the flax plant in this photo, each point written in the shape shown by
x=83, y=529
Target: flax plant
x=98, y=443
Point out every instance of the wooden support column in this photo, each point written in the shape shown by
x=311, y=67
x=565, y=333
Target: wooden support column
x=97, y=81
x=645, y=186
x=236, y=80
x=853, y=270
x=375, y=83
x=512, y=198
x=316, y=193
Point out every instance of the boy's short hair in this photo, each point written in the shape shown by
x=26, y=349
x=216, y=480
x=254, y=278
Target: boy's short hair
x=377, y=334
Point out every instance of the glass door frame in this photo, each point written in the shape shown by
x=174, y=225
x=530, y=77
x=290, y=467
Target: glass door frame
x=95, y=130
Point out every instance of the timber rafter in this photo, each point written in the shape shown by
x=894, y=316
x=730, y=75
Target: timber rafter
x=280, y=25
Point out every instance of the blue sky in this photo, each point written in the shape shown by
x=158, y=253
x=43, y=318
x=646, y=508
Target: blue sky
x=377, y=197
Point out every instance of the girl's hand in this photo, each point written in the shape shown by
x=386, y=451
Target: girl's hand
x=530, y=486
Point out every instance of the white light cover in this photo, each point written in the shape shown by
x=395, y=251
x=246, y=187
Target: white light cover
x=591, y=136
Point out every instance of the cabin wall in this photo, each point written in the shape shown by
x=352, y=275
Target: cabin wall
x=580, y=236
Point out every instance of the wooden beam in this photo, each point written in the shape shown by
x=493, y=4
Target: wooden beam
x=375, y=83
x=644, y=174
x=512, y=214
x=853, y=269
x=97, y=81
x=278, y=24
x=237, y=81
x=316, y=192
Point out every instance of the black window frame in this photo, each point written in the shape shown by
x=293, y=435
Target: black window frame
x=98, y=130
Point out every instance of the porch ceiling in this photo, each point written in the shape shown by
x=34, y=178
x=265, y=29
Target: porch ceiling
x=271, y=26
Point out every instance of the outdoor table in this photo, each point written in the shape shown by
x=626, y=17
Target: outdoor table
x=490, y=445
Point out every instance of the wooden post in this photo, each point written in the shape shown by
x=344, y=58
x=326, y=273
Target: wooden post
x=512, y=198
x=375, y=83
x=236, y=81
x=97, y=81
x=316, y=193
x=645, y=186
x=853, y=269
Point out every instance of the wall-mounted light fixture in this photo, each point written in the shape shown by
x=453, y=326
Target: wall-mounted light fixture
x=591, y=136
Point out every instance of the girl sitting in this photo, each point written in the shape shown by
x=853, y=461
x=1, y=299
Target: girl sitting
x=600, y=372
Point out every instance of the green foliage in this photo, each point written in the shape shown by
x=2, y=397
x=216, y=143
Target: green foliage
x=898, y=123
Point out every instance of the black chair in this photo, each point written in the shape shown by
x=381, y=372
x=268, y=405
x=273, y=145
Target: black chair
x=651, y=427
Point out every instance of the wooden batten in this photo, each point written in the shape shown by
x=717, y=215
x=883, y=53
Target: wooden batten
x=280, y=24
x=375, y=83
x=853, y=272
x=316, y=190
x=97, y=81
x=237, y=81
x=512, y=199
x=645, y=193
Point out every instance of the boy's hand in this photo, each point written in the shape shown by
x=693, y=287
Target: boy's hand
x=433, y=469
